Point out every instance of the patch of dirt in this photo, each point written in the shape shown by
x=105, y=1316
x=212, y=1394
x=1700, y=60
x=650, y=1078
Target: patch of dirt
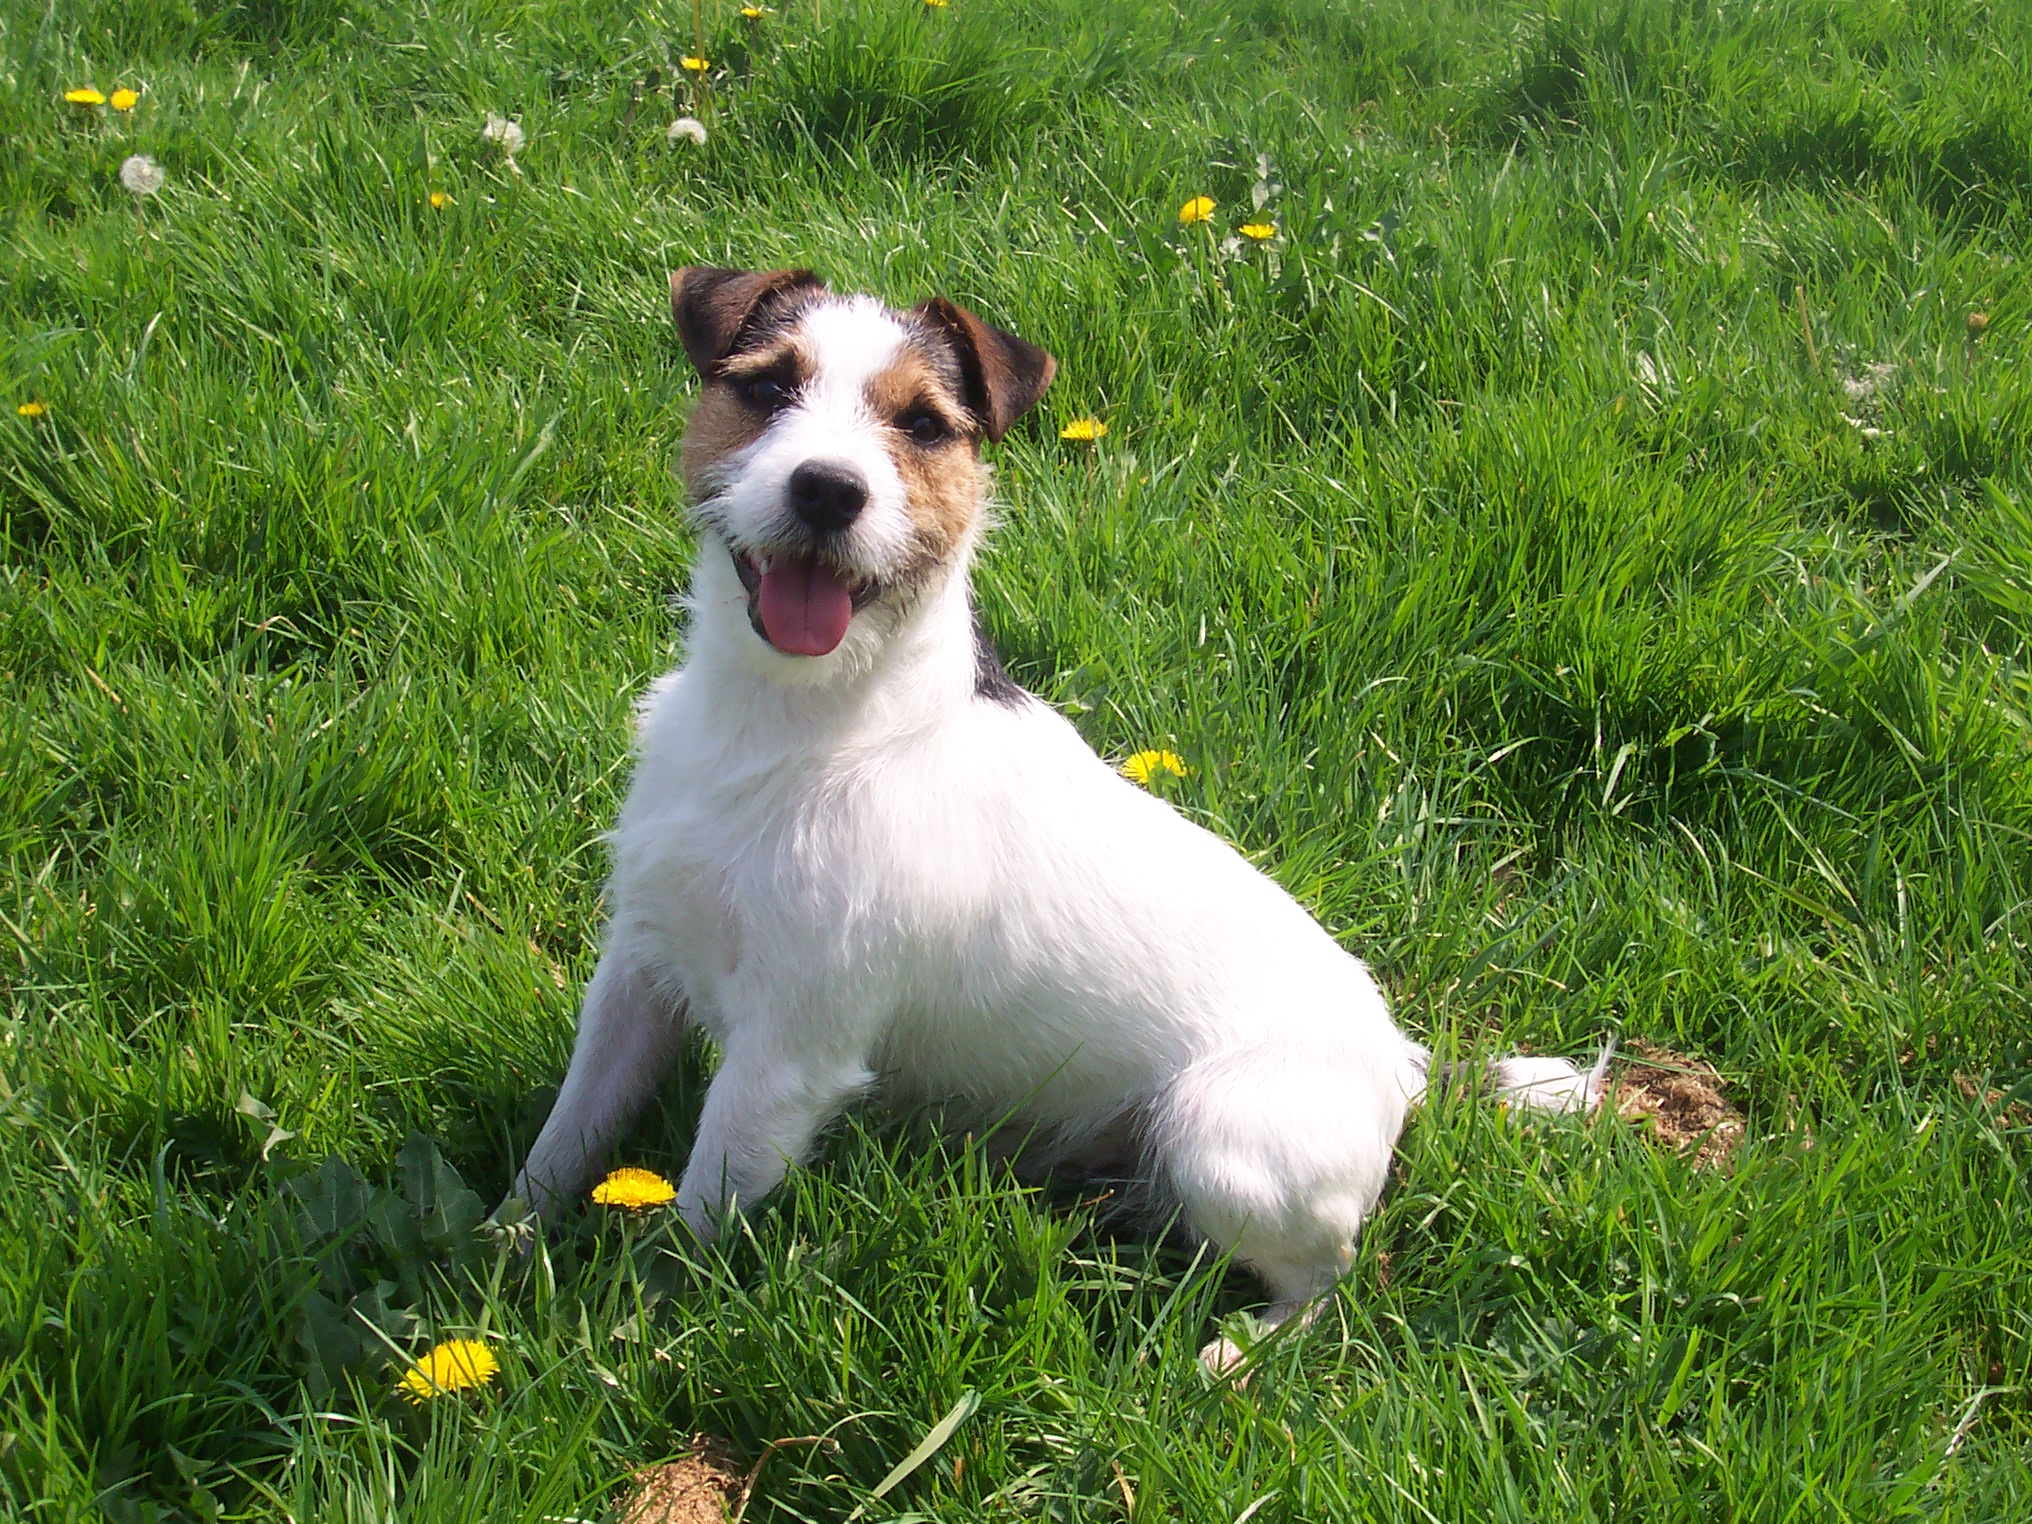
x=699, y=1488
x=1681, y=1097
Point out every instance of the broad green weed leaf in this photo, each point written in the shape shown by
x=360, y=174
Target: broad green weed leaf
x=447, y=1213
x=334, y=1199
x=333, y=1344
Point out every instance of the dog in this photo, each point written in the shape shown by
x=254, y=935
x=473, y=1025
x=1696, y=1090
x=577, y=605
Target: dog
x=860, y=857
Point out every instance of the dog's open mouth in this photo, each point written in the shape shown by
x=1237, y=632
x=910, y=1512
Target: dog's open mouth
x=797, y=603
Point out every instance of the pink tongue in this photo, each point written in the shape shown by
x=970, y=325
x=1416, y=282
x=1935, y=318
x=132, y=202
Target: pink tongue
x=804, y=607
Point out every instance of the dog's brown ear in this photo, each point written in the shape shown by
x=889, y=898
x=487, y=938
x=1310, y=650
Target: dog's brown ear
x=714, y=307
x=1004, y=375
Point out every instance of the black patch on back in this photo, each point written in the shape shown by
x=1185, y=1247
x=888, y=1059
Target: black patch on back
x=991, y=682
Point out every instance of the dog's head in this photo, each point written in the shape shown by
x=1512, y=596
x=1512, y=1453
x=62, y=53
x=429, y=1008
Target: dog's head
x=835, y=451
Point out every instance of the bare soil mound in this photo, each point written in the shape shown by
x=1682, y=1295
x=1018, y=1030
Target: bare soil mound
x=1680, y=1096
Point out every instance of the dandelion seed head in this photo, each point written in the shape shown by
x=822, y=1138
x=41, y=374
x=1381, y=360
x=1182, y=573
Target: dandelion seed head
x=142, y=175
x=508, y=134
x=1874, y=379
x=686, y=129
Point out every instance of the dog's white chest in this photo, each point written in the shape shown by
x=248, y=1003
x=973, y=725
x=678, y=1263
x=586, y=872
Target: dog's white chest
x=814, y=875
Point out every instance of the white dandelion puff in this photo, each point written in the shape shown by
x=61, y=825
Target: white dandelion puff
x=508, y=134
x=689, y=127
x=1874, y=379
x=142, y=175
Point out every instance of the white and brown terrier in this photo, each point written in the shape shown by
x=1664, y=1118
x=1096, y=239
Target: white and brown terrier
x=861, y=858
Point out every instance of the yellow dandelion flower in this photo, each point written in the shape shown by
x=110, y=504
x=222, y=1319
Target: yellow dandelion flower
x=695, y=65
x=1199, y=209
x=31, y=410
x=439, y=201
x=1086, y=430
x=1146, y=765
x=935, y=5
x=751, y=13
x=84, y=95
x=124, y=100
x=634, y=1189
x=457, y=1365
x=1262, y=232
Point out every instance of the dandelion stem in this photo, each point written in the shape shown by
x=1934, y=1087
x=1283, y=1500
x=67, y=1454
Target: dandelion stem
x=698, y=34
x=487, y=1302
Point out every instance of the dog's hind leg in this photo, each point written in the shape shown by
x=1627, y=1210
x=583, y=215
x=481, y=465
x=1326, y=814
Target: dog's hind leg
x=1278, y=1157
x=630, y=1031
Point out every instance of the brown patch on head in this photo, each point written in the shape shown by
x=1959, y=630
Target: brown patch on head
x=732, y=320
x=720, y=425
x=930, y=434
x=1681, y=1097
x=698, y=1488
x=726, y=419
x=720, y=311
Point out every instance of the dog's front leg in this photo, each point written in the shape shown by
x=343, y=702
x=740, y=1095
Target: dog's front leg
x=762, y=1112
x=630, y=1032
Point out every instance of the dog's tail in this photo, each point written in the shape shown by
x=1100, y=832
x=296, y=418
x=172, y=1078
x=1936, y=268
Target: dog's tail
x=1537, y=1084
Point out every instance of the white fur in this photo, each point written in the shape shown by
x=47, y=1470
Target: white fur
x=854, y=872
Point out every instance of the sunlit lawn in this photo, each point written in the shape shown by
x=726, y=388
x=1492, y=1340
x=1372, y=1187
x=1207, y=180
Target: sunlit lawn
x=1564, y=502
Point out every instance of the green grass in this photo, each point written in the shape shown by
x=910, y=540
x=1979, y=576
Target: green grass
x=1589, y=562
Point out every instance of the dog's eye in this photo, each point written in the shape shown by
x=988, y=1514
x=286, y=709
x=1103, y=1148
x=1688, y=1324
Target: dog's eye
x=764, y=392
x=925, y=428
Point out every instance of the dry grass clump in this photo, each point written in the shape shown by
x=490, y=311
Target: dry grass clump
x=698, y=1488
x=1681, y=1097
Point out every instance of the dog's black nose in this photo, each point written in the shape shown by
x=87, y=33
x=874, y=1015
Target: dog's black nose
x=828, y=494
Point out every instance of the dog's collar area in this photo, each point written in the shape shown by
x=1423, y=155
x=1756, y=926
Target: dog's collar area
x=797, y=638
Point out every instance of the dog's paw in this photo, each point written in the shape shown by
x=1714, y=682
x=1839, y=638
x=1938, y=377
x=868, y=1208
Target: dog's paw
x=1222, y=1358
